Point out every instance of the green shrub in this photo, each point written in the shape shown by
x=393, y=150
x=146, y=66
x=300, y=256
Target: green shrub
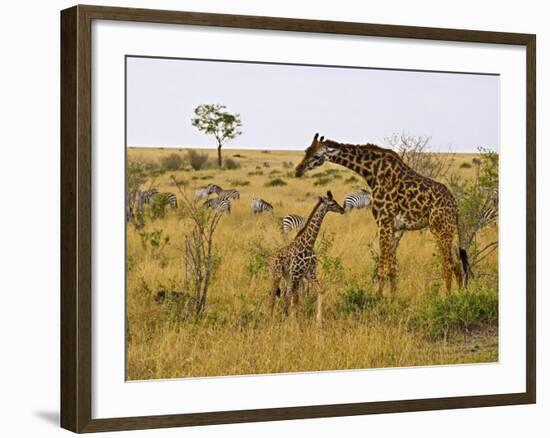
x=230, y=164
x=275, y=172
x=257, y=260
x=323, y=181
x=197, y=160
x=276, y=182
x=171, y=162
x=239, y=182
x=463, y=310
x=355, y=300
x=465, y=165
x=288, y=164
x=255, y=172
x=352, y=179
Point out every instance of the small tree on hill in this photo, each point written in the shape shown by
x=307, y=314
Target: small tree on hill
x=214, y=120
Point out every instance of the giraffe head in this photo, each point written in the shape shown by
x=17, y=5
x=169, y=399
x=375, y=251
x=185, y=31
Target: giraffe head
x=316, y=154
x=330, y=203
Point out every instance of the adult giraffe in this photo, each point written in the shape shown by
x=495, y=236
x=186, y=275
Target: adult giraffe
x=397, y=191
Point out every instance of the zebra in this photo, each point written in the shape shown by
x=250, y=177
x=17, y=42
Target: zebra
x=292, y=222
x=218, y=204
x=147, y=195
x=489, y=212
x=225, y=194
x=258, y=205
x=201, y=193
x=163, y=198
x=360, y=199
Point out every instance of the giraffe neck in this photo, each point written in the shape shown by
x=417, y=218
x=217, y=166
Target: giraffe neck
x=365, y=160
x=309, y=233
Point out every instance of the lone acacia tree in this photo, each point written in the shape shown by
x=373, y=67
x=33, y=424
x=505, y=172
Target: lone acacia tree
x=214, y=120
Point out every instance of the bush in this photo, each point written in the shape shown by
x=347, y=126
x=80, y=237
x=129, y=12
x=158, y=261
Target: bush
x=256, y=172
x=323, y=181
x=239, y=182
x=355, y=300
x=288, y=164
x=465, y=165
x=460, y=311
x=257, y=260
x=171, y=162
x=276, y=182
x=352, y=179
x=230, y=164
x=197, y=160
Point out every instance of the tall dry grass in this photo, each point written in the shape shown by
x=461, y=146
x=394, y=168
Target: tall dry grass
x=236, y=336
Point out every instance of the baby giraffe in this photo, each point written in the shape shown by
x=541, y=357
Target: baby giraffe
x=298, y=260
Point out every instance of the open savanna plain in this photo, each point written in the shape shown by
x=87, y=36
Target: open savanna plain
x=235, y=335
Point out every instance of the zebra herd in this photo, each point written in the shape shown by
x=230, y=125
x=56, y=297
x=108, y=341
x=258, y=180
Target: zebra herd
x=222, y=203
x=360, y=199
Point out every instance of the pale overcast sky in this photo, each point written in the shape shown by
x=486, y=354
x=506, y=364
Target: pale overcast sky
x=283, y=106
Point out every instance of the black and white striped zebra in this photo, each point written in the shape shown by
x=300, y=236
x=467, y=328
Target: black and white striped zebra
x=225, y=194
x=202, y=192
x=258, y=205
x=163, y=198
x=292, y=222
x=205, y=191
x=218, y=204
x=489, y=212
x=357, y=200
x=147, y=195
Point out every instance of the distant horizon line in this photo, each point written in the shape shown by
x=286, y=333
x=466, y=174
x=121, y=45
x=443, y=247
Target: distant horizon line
x=214, y=148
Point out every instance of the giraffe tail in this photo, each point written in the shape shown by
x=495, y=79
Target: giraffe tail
x=465, y=265
x=462, y=252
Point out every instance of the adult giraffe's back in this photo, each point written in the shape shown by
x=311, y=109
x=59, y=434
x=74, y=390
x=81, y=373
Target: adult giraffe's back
x=397, y=189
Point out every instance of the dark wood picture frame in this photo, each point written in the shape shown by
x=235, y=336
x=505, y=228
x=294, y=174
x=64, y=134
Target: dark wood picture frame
x=76, y=218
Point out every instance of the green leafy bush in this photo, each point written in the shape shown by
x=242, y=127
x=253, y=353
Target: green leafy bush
x=255, y=172
x=197, y=160
x=239, y=182
x=171, y=162
x=323, y=181
x=355, y=300
x=463, y=310
x=275, y=182
x=258, y=255
x=230, y=164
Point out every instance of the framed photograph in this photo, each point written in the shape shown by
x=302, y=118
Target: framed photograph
x=271, y=218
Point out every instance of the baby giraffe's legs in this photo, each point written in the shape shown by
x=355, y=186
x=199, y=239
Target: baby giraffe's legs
x=319, y=291
x=292, y=296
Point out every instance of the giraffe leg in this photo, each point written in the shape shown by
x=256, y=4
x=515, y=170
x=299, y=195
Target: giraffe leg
x=444, y=229
x=319, y=291
x=387, y=265
x=445, y=249
x=292, y=297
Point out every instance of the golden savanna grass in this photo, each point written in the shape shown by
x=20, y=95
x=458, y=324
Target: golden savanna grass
x=236, y=335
